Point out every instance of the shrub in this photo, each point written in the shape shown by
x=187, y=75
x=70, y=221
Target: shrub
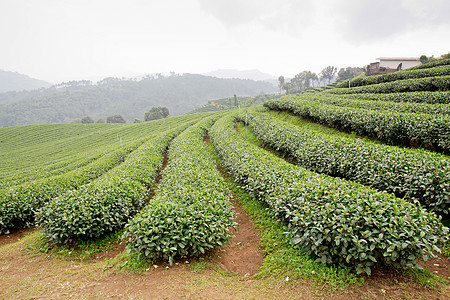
x=191, y=212
x=335, y=220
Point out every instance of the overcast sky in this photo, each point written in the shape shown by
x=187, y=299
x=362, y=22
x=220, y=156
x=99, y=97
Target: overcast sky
x=61, y=40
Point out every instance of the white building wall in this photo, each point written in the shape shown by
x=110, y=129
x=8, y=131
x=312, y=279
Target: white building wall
x=393, y=64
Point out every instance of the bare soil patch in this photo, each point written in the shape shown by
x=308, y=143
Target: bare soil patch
x=15, y=235
x=243, y=256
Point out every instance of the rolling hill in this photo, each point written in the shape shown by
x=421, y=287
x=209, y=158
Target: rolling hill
x=12, y=81
x=130, y=98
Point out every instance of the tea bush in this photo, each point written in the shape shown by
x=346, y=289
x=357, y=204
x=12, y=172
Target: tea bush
x=107, y=203
x=19, y=204
x=424, y=130
x=419, y=97
x=437, y=83
x=400, y=75
x=413, y=174
x=335, y=220
x=190, y=212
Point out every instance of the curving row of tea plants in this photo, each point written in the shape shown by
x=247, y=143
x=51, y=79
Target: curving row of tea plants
x=424, y=130
x=440, y=97
x=39, y=151
x=410, y=173
x=410, y=107
x=437, y=83
x=191, y=212
x=19, y=203
x=335, y=220
x=107, y=203
x=430, y=71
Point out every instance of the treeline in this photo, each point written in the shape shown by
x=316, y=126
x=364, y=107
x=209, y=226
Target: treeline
x=307, y=80
x=129, y=98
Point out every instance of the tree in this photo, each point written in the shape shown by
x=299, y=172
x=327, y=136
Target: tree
x=281, y=83
x=87, y=120
x=101, y=121
x=136, y=120
x=328, y=73
x=75, y=121
x=156, y=113
x=349, y=73
x=303, y=80
x=115, y=119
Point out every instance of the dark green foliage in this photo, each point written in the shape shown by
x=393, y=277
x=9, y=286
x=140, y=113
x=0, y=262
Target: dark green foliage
x=400, y=75
x=115, y=119
x=107, y=203
x=431, y=64
x=418, y=97
x=41, y=162
x=156, y=113
x=437, y=83
x=413, y=174
x=88, y=120
x=190, y=213
x=348, y=73
x=423, y=130
x=19, y=204
x=335, y=220
x=359, y=102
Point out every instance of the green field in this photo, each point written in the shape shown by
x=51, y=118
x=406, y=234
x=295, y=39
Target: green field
x=357, y=182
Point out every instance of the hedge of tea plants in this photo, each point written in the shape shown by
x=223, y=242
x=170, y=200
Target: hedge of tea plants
x=435, y=63
x=420, y=97
x=419, y=130
x=190, y=212
x=410, y=173
x=107, y=203
x=412, y=107
x=400, y=75
x=335, y=220
x=437, y=83
x=19, y=204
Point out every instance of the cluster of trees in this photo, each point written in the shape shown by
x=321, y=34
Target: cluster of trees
x=307, y=79
x=155, y=113
x=426, y=59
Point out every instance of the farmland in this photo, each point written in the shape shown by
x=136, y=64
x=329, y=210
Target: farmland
x=344, y=186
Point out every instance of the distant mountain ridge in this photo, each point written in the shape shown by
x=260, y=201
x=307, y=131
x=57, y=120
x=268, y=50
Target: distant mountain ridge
x=13, y=81
x=244, y=74
x=130, y=98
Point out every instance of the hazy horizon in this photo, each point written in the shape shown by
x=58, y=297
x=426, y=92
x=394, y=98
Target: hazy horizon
x=59, y=41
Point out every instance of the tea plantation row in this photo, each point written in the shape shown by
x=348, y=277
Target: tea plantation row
x=107, y=203
x=39, y=151
x=191, y=212
x=335, y=220
x=410, y=173
x=424, y=130
x=442, y=97
x=442, y=70
x=410, y=107
x=437, y=83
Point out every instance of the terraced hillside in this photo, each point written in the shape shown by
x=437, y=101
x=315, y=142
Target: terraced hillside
x=357, y=183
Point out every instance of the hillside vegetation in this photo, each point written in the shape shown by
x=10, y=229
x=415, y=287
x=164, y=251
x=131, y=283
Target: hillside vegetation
x=128, y=98
x=357, y=184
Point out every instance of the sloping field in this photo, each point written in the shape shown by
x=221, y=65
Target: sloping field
x=333, y=207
